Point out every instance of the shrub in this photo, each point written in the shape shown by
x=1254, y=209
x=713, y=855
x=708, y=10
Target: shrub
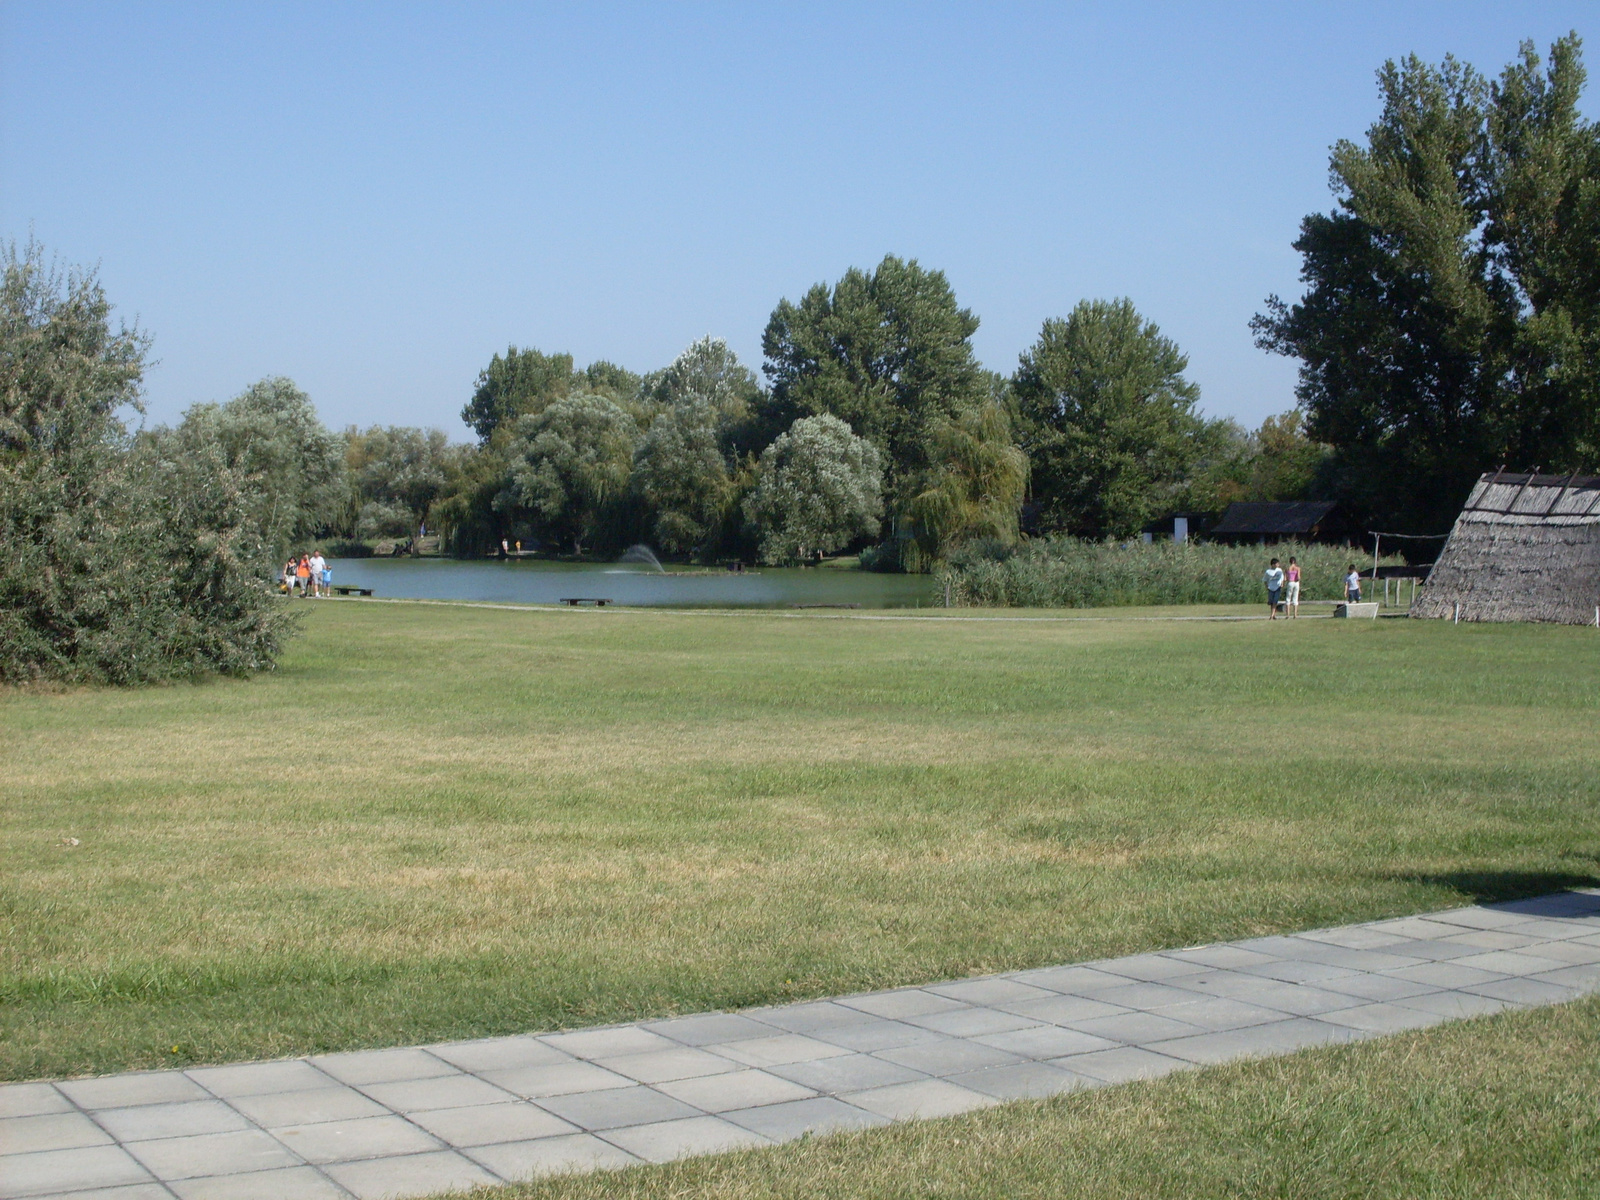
x=118, y=563
x=1065, y=572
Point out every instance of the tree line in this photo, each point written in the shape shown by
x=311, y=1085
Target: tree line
x=875, y=428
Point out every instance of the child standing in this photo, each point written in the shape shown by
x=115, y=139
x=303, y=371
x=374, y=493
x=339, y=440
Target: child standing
x=1352, y=584
x=1274, y=581
x=1294, y=587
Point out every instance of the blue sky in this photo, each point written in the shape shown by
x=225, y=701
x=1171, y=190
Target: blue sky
x=373, y=199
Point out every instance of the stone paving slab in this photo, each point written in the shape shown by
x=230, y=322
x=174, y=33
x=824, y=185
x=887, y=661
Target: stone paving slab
x=417, y=1120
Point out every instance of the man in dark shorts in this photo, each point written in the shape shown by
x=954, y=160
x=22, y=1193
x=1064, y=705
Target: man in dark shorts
x=1274, y=581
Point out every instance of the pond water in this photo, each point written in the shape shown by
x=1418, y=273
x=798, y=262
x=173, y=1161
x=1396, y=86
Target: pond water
x=527, y=581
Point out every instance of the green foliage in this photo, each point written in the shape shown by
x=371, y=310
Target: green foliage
x=602, y=378
x=520, y=383
x=688, y=466
x=1276, y=462
x=975, y=484
x=291, y=465
x=469, y=521
x=1451, y=321
x=682, y=478
x=1066, y=572
x=523, y=383
x=569, y=467
x=117, y=565
x=818, y=488
x=1109, y=420
x=889, y=353
x=395, y=474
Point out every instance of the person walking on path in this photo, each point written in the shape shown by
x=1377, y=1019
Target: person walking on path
x=1292, y=577
x=302, y=572
x=1352, y=584
x=289, y=578
x=1274, y=581
x=318, y=565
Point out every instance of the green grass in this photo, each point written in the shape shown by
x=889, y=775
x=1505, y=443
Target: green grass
x=1492, y=1108
x=439, y=822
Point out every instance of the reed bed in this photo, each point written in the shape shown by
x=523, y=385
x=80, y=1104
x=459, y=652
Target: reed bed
x=1066, y=572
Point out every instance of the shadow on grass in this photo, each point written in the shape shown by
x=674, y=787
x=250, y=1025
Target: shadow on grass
x=1500, y=887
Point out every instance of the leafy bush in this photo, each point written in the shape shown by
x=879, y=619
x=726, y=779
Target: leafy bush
x=1069, y=573
x=818, y=488
x=118, y=563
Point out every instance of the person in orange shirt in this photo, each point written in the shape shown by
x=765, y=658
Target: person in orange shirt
x=302, y=572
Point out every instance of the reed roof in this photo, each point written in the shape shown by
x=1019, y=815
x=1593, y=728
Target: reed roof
x=1524, y=548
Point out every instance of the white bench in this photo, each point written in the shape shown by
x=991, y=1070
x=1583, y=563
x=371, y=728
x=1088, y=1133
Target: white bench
x=1359, y=608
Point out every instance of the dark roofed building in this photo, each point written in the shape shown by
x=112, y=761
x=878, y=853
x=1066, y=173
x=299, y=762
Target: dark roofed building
x=1278, y=520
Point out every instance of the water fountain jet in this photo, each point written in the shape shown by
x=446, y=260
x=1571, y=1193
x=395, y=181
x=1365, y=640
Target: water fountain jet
x=642, y=554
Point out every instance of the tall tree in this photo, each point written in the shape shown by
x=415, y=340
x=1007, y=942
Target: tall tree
x=888, y=352
x=1451, y=319
x=689, y=466
x=570, y=466
x=1109, y=419
x=516, y=384
x=682, y=476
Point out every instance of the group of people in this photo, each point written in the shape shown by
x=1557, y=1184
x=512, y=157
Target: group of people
x=1277, y=579
x=308, y=575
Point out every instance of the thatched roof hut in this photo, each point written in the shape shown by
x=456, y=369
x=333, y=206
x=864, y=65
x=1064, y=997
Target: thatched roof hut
x=1525, y=548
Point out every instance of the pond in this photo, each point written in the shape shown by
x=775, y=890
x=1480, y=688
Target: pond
x=527, y=581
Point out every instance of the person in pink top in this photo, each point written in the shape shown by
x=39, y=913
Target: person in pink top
x=1292, y=578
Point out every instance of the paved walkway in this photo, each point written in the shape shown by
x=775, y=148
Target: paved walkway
x=414, y=1121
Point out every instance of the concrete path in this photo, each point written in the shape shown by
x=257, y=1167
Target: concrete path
x=415, y=1121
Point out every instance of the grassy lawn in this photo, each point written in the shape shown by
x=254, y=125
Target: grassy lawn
x=438, y=822
x=1493, y=1108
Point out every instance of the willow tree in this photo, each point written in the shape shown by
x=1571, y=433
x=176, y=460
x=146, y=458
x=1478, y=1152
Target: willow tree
x=974, y=485
x=818, y=488
x=570, y=466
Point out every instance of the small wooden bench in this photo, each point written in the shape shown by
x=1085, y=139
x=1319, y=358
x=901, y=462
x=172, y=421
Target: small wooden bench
x=346, y=589
x=574, y=601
